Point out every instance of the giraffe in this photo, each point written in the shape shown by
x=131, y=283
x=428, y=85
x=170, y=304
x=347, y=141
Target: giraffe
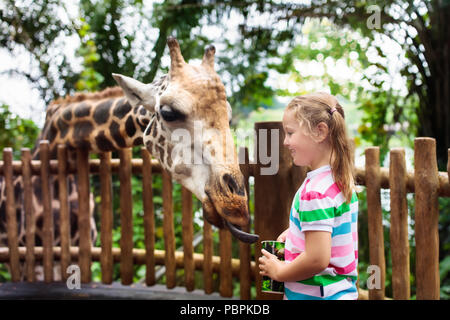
x=135, y=114
x=191, y=100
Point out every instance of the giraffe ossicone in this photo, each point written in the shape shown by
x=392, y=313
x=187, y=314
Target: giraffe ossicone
x=189, y=133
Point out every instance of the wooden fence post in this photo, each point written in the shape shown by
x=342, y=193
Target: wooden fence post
x=63, y=210
x=426, y=219
x=207, y=260
x=399, y=225
x=30, y=220
x=84, y=219
x=188, y=237
x=106, y=217
x=149, y=219
x=272, y=212
x=244, y=248
x=375, y=219
x=47, y=209
x=11, y=221
x=169, y=233
x=126, y=217
x=226, y=278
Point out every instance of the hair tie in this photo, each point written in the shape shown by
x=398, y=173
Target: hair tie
x=333, y=110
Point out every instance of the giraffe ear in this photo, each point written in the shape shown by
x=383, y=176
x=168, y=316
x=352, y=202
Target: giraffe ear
x=136, y=92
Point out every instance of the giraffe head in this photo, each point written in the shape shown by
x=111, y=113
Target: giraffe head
x=189, y=133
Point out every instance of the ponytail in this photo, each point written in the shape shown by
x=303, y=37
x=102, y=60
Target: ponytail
x=341, y=154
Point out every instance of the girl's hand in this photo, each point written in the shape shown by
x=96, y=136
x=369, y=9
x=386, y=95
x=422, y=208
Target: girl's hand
x=282, y=237
x=270, y=265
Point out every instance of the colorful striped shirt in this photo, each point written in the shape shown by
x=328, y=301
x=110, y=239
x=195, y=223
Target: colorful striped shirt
x=319, y=205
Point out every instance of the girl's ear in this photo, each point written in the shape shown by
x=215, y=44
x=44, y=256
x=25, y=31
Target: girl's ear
x=321, y=132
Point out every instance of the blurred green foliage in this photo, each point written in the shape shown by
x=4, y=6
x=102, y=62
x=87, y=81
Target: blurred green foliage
x=16, y=132
x=90, y=79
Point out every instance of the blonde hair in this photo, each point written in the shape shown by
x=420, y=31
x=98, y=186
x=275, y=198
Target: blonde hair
x=315, y=108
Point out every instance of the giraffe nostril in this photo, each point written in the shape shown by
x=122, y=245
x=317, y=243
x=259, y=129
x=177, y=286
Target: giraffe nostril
x=232, y=185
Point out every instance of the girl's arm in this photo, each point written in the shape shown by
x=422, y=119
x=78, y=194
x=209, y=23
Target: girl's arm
x=313, y=260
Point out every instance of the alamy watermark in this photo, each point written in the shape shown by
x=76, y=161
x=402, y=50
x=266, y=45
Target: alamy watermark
x=74, y=280
x=374, y=279
x=201, y=145
x=374, y=20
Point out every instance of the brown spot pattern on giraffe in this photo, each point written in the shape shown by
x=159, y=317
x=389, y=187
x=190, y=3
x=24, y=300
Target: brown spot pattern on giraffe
x=81, y=133
x=114, y=128
x=122, y=108
x=102, y=111
x=129, y=126
x=82, y=110
x=103, y=143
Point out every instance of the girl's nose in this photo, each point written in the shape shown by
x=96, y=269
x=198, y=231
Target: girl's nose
x=285, y=141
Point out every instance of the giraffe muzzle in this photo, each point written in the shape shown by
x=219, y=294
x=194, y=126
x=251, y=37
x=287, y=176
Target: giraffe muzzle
x=213, y=217
x=229, y=209
x=232, y=185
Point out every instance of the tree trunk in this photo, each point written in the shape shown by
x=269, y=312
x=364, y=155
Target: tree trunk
x=436, y=120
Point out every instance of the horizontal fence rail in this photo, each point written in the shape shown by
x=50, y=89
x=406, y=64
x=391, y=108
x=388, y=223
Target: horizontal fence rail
x=139, y=258
x=270, y=217
x=136, y=167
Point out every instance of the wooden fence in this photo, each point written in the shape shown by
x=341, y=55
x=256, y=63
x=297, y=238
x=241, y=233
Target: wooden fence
x=270, y=218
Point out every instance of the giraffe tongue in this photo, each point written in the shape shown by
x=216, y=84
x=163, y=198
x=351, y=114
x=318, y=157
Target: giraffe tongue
x=241, y=235
x=218, y=221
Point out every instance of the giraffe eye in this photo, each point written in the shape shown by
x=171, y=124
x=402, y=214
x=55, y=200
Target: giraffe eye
x=169, y=114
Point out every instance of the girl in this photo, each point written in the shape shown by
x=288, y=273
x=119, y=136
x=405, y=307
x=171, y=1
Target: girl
x=321, y=253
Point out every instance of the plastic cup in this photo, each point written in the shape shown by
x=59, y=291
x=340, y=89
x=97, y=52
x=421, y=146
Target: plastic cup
x=268, y=285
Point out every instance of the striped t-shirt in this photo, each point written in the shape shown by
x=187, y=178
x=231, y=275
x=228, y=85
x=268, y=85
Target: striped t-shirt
x=320, y=205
